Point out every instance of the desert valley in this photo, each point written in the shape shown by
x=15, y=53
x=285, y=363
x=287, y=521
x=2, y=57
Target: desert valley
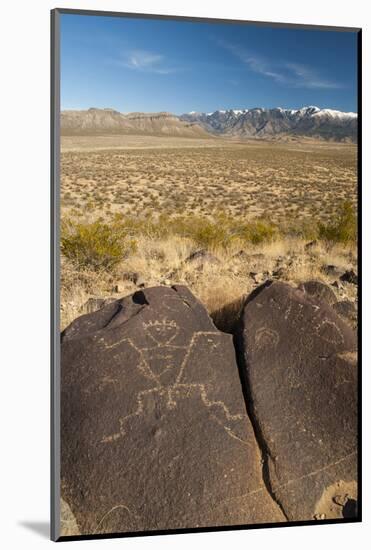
x=247, y=192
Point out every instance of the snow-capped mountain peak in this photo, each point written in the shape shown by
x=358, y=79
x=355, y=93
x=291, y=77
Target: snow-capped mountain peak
x=309, y=120
x=335, y=114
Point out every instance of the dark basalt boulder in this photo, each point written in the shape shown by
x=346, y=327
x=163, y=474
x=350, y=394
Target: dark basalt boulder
x=332, y=270
x=319, y=291
x=350, y=277
x=348, y=311
x=154, y=429
x=298, y=362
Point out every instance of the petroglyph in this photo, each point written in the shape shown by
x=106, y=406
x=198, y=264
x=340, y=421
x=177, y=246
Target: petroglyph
x=329, y=331
x=172, y=391
x=265, y=337
x=163, y=431
x=113, y=509
x=304, y=393
x=161, y=332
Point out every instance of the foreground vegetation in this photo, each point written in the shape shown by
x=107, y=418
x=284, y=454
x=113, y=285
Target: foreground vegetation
x=134, y=216
x=106, y=258
x=103, y=244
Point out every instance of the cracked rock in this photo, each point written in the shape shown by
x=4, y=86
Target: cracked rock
x=154, y=428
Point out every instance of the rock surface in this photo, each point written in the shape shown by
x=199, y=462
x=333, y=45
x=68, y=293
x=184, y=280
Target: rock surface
x=348, y=311
x=298, y=361
x=154, y=429
x=350, y=277
x=319, y=291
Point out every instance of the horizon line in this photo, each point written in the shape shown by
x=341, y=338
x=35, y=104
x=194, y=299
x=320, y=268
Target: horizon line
x=246, y=109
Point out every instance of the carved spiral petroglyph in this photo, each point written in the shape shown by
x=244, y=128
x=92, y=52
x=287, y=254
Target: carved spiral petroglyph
x=265, y=337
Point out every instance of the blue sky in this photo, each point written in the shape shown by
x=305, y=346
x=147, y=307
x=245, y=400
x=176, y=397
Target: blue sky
x=180, y=66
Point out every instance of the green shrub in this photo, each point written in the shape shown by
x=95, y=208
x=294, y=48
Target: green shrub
x=211, y=235
x=217, y=233
x=95, y=245
x=344, y=227
x=257, y=232
x=302, y=229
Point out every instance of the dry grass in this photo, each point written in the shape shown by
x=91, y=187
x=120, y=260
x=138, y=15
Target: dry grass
x=227, y=185
x=221, y=287
x=279, y=181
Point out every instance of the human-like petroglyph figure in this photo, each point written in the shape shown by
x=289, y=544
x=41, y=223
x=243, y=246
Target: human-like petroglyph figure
x=154, y=428
x=160, y=362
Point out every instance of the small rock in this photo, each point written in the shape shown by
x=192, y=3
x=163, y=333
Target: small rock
x=320, y=516
x=310, y=245
x=241, y=254
x=331, y=270
x=130, y=276
x=201, y=257
x=259, y=277
x=338, y=285
x=135, y=278
x=279, y=273
x=350, y=277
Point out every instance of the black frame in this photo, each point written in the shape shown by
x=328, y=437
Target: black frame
x=55, y=272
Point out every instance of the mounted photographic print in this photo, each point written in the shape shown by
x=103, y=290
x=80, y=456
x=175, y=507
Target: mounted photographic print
x=205, y=203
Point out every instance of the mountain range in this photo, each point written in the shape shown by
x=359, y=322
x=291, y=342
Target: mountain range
x=268, y=123
x=108, y=121
x=259, y=123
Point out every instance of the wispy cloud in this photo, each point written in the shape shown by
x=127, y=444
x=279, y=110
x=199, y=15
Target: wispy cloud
x=309, y=78
x=290, y=74
x=145, y=61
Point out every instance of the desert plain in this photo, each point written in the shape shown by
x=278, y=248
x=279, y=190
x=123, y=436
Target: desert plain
x=178, y=196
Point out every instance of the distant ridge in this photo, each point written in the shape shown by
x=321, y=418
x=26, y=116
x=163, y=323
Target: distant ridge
x=108, y=121
x=309, y=121
x=276, y=123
